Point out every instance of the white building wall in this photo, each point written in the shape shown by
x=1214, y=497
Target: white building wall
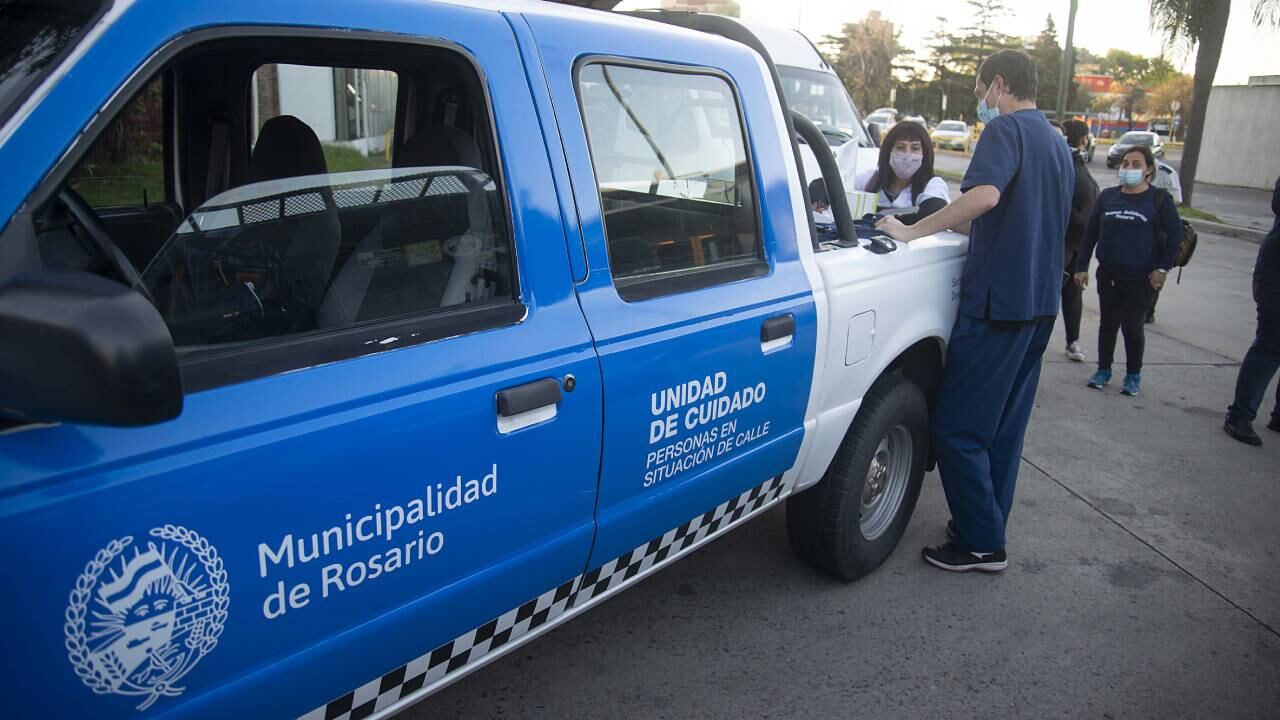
x=307, y=94
x=1241, y=144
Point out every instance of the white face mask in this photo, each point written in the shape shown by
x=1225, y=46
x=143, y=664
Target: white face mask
x=905, y=164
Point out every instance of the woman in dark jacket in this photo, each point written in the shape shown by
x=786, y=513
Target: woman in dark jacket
x=1136, y=231
x=1082, y=200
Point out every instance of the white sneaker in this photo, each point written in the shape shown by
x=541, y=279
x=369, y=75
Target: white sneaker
x=1074, y=352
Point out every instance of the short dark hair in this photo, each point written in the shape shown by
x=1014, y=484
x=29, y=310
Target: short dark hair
x=1076, y=131
x=1017, y=69
x=1145, y=152
x=905, y=130
x=1057, y=125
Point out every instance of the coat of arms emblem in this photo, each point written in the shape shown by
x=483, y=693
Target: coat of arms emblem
x=141, y=615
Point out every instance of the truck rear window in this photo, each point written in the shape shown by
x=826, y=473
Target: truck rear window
x=33, y=34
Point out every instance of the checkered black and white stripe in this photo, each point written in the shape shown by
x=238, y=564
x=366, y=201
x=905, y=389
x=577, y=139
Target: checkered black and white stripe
x=424, y=670
x=548, y=608
x=615, y=573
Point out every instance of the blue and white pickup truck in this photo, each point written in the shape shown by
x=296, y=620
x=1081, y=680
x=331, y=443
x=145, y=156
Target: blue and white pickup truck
x=345, y=346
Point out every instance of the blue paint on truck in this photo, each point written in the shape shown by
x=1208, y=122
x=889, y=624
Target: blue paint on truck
x=472, y=315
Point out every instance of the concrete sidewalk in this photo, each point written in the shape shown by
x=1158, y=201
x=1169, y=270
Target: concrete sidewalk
x=1242, y=207
x=1143, y=583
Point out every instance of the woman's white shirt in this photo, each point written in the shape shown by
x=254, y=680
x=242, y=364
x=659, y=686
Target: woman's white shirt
x=936, y=187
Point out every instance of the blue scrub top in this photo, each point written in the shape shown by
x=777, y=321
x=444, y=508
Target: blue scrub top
x=1014, y=268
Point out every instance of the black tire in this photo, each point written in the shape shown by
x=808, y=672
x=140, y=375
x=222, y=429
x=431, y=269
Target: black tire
x=824, y=523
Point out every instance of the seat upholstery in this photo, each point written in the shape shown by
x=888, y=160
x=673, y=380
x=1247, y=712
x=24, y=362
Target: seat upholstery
x=288, y=147
x=439, y=146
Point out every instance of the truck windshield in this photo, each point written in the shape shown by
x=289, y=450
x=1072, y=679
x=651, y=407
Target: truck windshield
x=820, y=97
x=33, y=33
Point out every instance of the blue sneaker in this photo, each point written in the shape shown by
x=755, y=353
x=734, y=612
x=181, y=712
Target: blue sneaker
x=1132, y=384
x=1100, y=379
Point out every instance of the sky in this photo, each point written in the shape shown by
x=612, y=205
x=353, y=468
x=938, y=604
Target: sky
x=1100, y=26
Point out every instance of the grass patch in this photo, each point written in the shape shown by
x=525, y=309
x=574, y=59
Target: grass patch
x=123, y=184
x=1191, y=213
x=120, y=185
x=339, y=158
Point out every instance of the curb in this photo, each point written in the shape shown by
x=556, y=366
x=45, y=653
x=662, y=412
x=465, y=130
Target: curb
x=1252, y=235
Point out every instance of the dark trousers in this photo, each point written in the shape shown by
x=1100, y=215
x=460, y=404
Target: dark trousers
x=980, y=419
x=1124, y=302
x=1072, y=302
x=1263, y=358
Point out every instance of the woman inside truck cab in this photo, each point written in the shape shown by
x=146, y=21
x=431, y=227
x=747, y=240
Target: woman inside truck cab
x=904, y=177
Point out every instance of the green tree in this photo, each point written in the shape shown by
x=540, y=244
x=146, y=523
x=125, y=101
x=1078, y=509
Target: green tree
x=954, y=57
x=1047, y=55
x=865, y=55
x=1201, y=24
x=1129, y=73
x=1124, y=67
x=1084, y=57
x=1176, y=88
x=964, y=51
x=986, y=17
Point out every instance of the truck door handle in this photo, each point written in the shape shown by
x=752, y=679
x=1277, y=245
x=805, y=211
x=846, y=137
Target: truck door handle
x=528, y=404
x=776, y=332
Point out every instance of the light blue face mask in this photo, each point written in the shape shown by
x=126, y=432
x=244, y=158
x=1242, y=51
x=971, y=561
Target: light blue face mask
x=987, y=113
x=1130, y=176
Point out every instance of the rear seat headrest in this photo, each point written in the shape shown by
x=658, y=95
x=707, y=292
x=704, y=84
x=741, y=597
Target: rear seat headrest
x=287, y=147
x=439, y=145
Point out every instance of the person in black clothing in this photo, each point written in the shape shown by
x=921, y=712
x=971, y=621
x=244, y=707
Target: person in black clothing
x=1082, y=201
x=1263, y=358
x=1126, y=226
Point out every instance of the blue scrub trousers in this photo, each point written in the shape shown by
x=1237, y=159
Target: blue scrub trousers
x=984, y=403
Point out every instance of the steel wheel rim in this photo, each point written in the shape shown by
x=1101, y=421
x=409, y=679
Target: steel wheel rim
x=886, y=482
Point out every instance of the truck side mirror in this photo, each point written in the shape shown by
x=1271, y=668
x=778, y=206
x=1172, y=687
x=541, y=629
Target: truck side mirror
x=77, y=347
x=874, y=130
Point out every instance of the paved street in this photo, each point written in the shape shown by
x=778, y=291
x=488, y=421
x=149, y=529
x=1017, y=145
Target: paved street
x=1246, y=207
x=951, y=161
x=1143, y=581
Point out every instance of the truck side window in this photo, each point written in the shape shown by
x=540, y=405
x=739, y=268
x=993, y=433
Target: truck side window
x=327, y=215
x=125, y=167
x=325, y=231
x=670, y=160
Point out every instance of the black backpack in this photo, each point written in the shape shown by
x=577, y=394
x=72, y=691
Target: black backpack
x=1187, y=247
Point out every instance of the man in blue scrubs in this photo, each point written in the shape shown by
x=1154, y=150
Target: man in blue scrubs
x=1017, y=193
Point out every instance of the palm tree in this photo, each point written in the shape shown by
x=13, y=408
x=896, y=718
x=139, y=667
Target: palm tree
x=1202, y=23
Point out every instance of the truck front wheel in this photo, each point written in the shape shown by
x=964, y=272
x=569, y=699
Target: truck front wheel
x=848, y=523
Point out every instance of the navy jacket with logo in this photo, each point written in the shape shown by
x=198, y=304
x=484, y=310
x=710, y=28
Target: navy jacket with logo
x=1123, y=228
